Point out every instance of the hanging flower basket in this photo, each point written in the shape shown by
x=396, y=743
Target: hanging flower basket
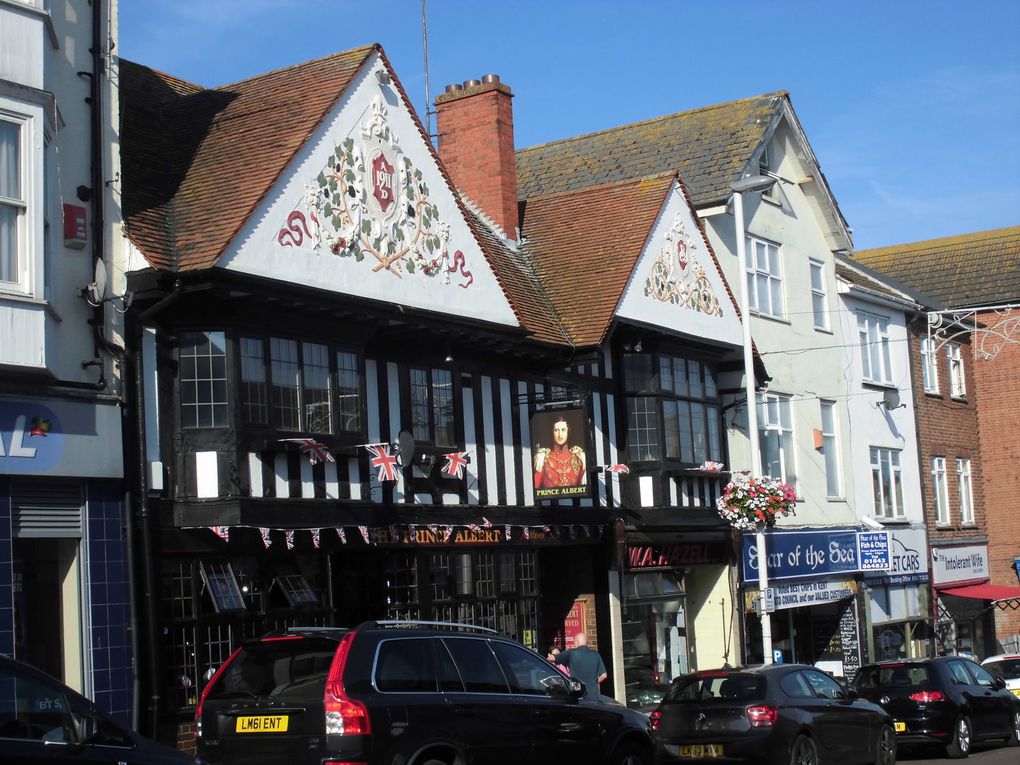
x=747, y=502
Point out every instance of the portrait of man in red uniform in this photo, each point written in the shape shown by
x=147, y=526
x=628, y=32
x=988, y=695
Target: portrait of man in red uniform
x=560, y=469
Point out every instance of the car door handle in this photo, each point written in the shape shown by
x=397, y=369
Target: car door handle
x=466, y=711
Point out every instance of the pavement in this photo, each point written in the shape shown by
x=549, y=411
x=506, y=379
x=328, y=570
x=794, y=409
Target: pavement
x=982, y=755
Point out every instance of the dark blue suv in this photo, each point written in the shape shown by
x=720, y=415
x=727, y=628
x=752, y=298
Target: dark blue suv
x=414, y=693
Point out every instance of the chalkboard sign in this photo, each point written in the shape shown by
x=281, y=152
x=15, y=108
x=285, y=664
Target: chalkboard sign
x=851, y=641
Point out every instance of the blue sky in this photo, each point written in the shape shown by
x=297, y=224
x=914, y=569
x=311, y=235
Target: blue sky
x=911, y=106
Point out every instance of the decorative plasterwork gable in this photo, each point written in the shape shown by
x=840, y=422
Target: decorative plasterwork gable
x=676, y=284
x=365, y=211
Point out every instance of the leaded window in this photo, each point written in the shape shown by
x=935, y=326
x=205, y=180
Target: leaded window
x=203, y=379
x=432, y=406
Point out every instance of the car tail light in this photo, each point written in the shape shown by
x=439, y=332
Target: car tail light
x=656, y=719
x=762, y=716
x=344, y=716
x=927, y=697
x=205, y=692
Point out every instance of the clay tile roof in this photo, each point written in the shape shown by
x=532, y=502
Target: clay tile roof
x=188, y=187
x=584, y=245
x=969, y=270
x=516, y=274
x=707, y=146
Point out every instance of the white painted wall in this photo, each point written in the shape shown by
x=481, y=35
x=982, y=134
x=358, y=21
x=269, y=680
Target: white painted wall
x=804, y=362
x=872, y=425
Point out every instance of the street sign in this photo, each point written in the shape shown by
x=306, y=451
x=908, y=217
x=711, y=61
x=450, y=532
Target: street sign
x=777, y=656
x=770, y=600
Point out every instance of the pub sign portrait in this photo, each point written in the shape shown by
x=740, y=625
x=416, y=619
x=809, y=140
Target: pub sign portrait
x=559, y=459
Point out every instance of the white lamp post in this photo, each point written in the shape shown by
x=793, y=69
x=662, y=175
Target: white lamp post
x=752, y=185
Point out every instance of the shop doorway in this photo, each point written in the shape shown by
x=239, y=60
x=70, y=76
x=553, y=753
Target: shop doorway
x=47, y=606
x=655, y=635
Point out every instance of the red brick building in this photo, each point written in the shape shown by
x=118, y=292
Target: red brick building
x=974, y=415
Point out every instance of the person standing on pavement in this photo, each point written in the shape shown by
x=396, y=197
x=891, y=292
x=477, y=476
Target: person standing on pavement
x=585, y=664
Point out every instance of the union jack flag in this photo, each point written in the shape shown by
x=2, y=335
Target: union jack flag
x=506, y=530
x=710, y=466
x=265, y=538
x=456, y=462
x=486, y=523
x=618, y=468
x=316, y=452
x=342, y=534
x=315, y=538
x=364, y=533
x=382, y=459
x=447, y=533
x=222, y=532
x=290, y=540
x=526, y=532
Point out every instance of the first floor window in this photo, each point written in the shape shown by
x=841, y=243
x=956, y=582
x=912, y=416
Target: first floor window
x=830, y=448
x=819, y=306
x=775, y=431
x=348, y=392
x=887, y=482
x=12, y=200
x=940, y=489
x=283, y=359
x=966, y=491
x=316, y=396
x=203, y=379
x=253, y=382
x=432, y=406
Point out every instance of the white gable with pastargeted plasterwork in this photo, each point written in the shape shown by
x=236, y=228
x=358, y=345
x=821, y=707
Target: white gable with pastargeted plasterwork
x=676, y=284
x=363, y=210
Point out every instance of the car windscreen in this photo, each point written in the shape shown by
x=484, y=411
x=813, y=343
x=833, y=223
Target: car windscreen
x=892, y=676
x=1008, y=668
x=736, y=687
x=291, y=668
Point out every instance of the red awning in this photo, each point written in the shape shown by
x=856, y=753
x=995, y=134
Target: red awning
x=993, y=592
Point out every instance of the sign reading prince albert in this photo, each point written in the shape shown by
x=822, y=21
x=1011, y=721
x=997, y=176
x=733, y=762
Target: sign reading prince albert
x=560, y=464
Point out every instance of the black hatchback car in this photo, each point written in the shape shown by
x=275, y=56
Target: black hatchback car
x=415, y=693
x=949, y=700
x=777, y=714
x=44, y=721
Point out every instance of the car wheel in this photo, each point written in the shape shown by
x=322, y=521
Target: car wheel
x=1014, y=738
x=804, y=752
x=886, y=748
x=959, y=747
x=628, y=754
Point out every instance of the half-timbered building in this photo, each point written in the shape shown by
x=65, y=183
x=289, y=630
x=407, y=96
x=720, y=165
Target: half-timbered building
x=369, y=389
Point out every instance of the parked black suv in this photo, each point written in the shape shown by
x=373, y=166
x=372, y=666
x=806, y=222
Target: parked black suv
x=415, y=693
x=947, y=700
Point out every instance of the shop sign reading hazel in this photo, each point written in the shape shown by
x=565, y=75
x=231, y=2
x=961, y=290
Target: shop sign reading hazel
x=678, y=554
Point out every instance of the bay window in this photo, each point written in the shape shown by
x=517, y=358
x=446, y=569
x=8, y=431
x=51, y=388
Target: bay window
x=676, y=417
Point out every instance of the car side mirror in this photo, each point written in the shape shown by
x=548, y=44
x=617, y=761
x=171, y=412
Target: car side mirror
x=577, y=689
x=998, y=683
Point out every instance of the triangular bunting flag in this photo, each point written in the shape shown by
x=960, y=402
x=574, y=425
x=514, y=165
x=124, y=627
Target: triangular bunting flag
x=315, y=538
x=222, y=532
x=265, y=537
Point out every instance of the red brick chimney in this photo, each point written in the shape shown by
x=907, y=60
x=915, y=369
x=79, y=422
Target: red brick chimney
x=476, y=143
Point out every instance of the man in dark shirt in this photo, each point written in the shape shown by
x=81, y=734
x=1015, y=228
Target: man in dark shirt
x=584, y=664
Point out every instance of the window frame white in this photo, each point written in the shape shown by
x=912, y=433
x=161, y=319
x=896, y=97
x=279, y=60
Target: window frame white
x=940, y=489
x=818, y=293
x=929, y=366
x=773, y=279
x=780, y=404
x=30, y=204
x=873, y=338
x=887, y=506
x=830, y=449
x=965, y=487
x=957, y=371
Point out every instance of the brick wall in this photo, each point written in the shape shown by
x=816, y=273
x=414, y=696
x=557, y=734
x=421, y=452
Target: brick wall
x=948, y=428
x=998, y=386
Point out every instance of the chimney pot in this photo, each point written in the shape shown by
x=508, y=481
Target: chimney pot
x=490, y=78
x=453, y=87
x=471, y=83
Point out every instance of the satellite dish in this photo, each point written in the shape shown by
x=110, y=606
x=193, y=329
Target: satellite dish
x=405, y=445
x=891, y=399
x=97, y=290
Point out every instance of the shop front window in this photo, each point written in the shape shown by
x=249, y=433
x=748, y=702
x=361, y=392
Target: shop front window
x=654, y=635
